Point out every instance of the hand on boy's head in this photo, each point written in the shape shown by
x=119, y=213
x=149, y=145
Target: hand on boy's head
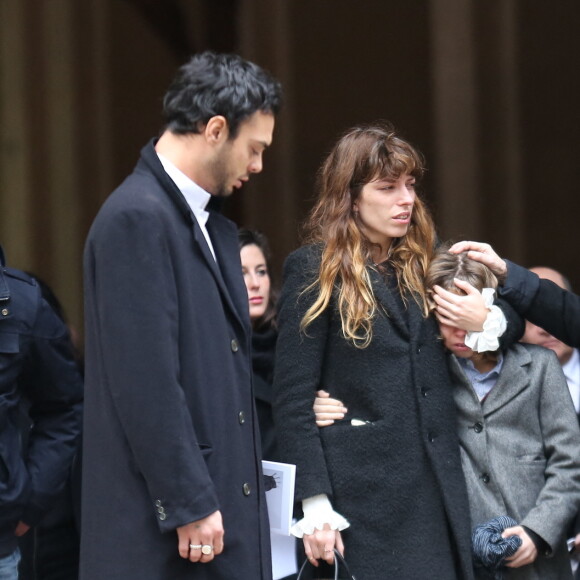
x=526, y=553
x=467, y=311
x=483, y=253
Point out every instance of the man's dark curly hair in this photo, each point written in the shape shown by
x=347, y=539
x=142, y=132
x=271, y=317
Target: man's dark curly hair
x=213, y=84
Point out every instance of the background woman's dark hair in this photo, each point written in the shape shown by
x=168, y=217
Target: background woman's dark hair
x=248, y=237
x=213, y=84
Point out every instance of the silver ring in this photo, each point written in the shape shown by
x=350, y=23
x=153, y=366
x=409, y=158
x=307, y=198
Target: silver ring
x=195, y=546
x=206, y=549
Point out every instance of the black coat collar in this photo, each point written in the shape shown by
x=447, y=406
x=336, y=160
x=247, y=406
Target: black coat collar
x=223, y=234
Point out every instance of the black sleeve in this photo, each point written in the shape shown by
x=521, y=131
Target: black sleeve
x=516, y=325
x=52, y=382
x=543, y=303
x=297, y=376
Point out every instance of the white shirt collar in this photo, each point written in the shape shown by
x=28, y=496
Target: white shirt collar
x=572, y=373
x=196, y=197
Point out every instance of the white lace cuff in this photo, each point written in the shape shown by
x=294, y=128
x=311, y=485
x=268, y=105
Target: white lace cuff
x=317, y=512
x=493, y=327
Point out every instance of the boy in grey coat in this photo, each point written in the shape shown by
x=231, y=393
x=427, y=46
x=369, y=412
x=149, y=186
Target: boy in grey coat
x=518, y=433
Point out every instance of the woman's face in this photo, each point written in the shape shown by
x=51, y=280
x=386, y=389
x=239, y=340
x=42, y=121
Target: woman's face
x=256, y=278
x=385, y=207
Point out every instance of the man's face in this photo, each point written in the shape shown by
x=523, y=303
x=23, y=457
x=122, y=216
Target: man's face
x=536, y=335
x=237, y=158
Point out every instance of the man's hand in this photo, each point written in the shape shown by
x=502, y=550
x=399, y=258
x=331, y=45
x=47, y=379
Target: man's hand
x=21, y=529
x=483, y=253
x=526, y=553
x=467, y=311
x=321, y=543
x=206, y=532
x=327, y=410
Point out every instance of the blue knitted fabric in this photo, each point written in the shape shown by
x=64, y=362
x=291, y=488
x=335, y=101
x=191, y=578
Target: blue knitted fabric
x=490, y=549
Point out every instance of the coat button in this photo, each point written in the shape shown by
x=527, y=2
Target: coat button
x=246, y=489
x=478, y=427
x=485, y=478
x=424, y=391
x=431, y=436
x=4, y=311
x=158, y=503
x=241, y=417
x=235, y=346
x=161, y=510
x=162, y=517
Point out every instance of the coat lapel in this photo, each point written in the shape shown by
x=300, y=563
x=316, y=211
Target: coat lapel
x=224, y=238
x=513, y=380
x=222, y=265
x=465, y=396
x=222, y=233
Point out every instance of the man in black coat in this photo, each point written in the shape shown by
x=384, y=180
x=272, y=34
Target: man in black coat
x=172, y=485
x=37, y=372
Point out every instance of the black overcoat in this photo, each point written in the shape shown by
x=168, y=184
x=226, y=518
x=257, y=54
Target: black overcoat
x=397, y=478
x=170, y=428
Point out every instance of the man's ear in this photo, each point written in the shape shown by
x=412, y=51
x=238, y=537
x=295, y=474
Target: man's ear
x=216, y=130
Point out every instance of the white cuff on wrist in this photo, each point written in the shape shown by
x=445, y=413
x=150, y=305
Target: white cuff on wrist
x=318, y=512
x=494, y=326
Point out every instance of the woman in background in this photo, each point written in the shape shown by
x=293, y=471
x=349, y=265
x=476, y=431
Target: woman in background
x=255, y=258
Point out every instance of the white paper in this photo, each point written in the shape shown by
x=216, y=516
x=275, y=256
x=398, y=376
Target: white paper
x=280, y=478
x=280, y=496
x=284, y=560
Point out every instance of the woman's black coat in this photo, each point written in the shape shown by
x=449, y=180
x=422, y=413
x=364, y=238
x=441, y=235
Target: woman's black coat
x=398, y=477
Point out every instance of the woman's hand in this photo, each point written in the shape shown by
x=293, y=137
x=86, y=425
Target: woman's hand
x=320, y=545
x=467, y=312
x=526, y=553
x=328, y=410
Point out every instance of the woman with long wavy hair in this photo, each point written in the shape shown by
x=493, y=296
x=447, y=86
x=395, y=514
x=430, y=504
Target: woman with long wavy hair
x=353, y=321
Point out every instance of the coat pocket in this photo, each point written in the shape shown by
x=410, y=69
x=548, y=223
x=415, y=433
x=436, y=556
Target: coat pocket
x=14, y=478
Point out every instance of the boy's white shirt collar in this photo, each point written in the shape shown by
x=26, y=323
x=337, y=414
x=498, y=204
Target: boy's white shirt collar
x=572, y=373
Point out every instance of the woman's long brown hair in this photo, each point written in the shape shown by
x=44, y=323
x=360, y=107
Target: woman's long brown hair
x=362, y=155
